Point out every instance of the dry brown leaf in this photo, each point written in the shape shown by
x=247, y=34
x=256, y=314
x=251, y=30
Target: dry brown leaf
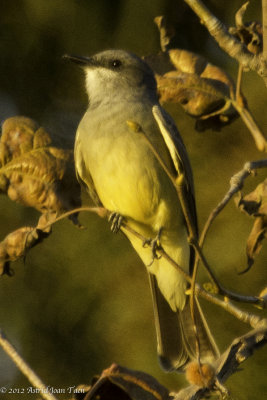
x=37, y=175
x=17, y=243
x=118, y=382
x=263, y=296
x=255, y=204
x=202, y=89
x=166, y=31
x=249, y=33
x=32, y=172
x=255, y=239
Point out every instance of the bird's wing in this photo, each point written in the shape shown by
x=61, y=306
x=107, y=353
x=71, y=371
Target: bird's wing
x=83, y=175
x=174, y=349
x=178, y=154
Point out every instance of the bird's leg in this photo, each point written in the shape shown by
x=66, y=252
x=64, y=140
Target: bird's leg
x=155, y=245
x=116, y=220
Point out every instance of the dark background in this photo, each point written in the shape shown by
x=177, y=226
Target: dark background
x=81, y=299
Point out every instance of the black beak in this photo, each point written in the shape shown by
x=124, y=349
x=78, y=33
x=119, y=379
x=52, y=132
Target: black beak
x=80, y=60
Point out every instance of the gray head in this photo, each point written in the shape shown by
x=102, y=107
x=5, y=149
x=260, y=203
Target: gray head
x=115, y=73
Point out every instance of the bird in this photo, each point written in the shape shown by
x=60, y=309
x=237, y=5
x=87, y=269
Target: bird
x=116, y=164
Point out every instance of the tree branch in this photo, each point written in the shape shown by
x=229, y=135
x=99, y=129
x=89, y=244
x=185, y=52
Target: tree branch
x=232, y=46
x=43, y=390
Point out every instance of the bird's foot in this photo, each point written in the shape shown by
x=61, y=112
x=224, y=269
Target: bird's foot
x=155, y=245
x=116, y=221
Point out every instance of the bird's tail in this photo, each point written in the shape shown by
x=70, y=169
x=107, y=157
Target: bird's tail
x=176, y=337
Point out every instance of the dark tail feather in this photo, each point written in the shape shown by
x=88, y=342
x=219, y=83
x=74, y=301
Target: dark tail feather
x=175, y=333
x=171, y=350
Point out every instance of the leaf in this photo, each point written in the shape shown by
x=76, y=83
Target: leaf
x=166, y=31
x=263, y=297
x=249, y=33
x=121, y=383
x=18, y=243
x=254, y=242
x=32, y=172
x=202, y=89
x=255, y=204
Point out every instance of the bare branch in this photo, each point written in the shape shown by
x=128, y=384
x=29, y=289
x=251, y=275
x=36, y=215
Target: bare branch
x=236, y=184
x=25, y=368
x=247, y=318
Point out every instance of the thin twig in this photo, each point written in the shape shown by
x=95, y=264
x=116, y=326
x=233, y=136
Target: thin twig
x=238, y=94
x=43, y=390
x=236, y=184
x=251, y=124
x=227, y=293
x=100, y=211
x=247, y=318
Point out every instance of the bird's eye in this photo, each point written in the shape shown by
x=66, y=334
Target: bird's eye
x=115, y=63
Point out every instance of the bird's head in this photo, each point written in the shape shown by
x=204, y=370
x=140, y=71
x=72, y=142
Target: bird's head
x=115, y=72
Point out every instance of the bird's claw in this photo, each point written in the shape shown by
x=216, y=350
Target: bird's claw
x=116, y=221
x=155, y=245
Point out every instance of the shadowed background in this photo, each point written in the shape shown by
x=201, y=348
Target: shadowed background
x=81, y=300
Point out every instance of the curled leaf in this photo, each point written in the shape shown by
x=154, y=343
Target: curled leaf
x=263, y=296
x=166, y=32
x=202, y=89
x=255, y=239
x=17, y=243
x=118, y=382
x=249, y=33
x=34, y=173
x=255, y=204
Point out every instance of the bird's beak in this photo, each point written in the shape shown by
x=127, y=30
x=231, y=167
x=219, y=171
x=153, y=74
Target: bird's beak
x=83, y=61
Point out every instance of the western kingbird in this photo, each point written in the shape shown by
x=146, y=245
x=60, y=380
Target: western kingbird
x=122, y=173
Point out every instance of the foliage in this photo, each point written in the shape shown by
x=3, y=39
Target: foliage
x=36, y=175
